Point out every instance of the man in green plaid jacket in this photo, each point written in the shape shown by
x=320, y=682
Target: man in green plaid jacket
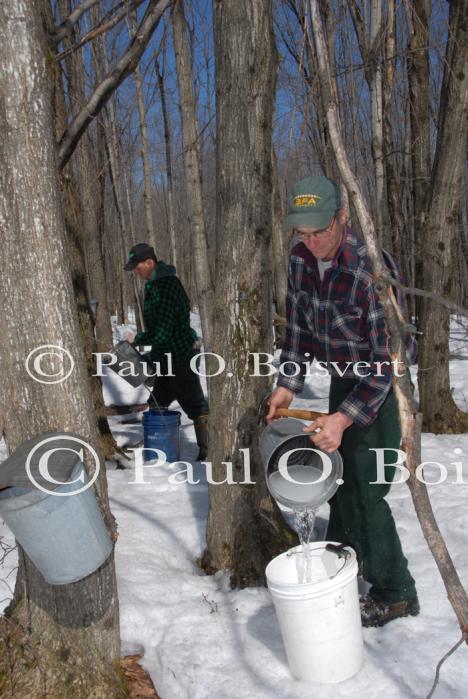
x=167, y=318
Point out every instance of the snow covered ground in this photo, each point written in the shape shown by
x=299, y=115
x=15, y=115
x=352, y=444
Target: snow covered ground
x=201, y=640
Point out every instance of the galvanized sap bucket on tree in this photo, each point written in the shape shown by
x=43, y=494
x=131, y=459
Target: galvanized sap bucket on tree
x=48, y=502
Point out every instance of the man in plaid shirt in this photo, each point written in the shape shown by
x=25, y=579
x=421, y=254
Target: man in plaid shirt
x=334, y=315
x=166, y=313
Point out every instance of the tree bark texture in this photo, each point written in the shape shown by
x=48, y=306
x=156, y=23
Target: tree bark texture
x=440, y=223
x=89, y=182
x=168, y=152
x=245, y=528
x=392, y=171
x=420, y=126
x=145, y=153
x=71, y=209
x=64, y=640
x=196, y=222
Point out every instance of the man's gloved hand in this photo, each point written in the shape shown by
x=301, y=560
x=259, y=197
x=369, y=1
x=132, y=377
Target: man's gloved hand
x=280, y=398
x=331, y=430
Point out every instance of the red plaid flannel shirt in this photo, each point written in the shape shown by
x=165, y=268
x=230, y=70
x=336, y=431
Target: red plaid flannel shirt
x=340, y=320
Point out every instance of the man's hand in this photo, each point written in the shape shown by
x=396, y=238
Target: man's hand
x=331, y=430
x=280, y=398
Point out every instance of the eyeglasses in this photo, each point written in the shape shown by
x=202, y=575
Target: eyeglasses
x=317, y=234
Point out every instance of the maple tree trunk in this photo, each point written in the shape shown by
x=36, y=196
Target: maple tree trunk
x=245, y=529
x=60, y=641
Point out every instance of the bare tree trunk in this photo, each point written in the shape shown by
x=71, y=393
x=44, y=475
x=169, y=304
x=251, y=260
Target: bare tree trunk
x=245, y=529
x=279, y=245
x=409, y=418
x=126, y=285
x=371, y=51
x=391, y=167
x=418, y=14
x=168, y=147
x=145, y=155
x=90, y=200
x=192, y=170
x=377, y=119
x=440, y=223
x=64, y=639
x=410, y=234
x=71, y=207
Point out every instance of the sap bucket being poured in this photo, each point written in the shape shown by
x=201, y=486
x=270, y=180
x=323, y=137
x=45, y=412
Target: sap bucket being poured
x=298, y=474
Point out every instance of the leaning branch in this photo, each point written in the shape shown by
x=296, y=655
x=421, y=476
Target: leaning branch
x=413, y=291
x=410, y=419
x=66, y=27
x=104, y=26
x=125, y=67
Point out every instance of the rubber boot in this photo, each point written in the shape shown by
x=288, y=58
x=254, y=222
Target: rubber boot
x=201, y=432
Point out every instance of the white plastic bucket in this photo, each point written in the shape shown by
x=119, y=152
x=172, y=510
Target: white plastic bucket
x=320, y=620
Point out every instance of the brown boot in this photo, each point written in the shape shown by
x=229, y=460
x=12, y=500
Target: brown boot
x=375, y=612
x=201, y=432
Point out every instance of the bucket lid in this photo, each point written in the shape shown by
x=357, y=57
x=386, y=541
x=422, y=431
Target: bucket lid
x=61, y=460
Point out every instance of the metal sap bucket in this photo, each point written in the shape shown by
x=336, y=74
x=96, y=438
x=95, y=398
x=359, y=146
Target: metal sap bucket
x=298, y=474
x=64, y=536
x=132, y=366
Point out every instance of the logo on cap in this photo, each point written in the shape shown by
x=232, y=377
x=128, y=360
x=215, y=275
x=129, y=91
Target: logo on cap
x=306, y=200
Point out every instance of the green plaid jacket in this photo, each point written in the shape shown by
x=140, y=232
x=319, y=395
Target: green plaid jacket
x=166, y=312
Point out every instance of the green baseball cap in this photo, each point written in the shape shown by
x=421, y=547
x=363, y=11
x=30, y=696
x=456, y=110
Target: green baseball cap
x=312, y=203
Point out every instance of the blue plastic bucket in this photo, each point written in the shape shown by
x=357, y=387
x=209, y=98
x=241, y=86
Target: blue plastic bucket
x=161, y=431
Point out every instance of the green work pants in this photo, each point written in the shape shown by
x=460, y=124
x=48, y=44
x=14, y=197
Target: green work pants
x=359, y=514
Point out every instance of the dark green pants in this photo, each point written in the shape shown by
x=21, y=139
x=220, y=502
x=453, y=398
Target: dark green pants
x=359, y=514
x=184, y=387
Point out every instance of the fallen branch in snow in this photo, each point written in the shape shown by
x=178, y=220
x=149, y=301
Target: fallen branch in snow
x=124, y=409
x=211, y=603
x=440, y=663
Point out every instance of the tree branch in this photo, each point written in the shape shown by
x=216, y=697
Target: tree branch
x=125, y=66
x=102, y=27
x=439, y=665
x=67, y=25
x=412, y=291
